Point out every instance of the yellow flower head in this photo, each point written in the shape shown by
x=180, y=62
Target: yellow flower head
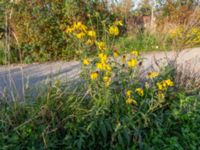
x=135, y=53
x=86, y=61
x=103, y=57
x=80, y=35
x=131, y=101
x=118, y=23
x=163, y=85
x=69, y=29
x=152, y=75
x=114, y=31
x=108, y=67
x=169, y=82
x=101, y=45
x=132, y=63
x=123, y=58
x=79, y=26
x=161, y=95
x=139, y=91
x=91, y=34
x=89, y=42
x=160, y=86
x=94, y=75
x=116, y=54
x=107, y=80
x=128, y=93
x=103, y=66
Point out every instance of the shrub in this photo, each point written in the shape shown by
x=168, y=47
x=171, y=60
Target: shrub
x=38, y=27
x=188, y=37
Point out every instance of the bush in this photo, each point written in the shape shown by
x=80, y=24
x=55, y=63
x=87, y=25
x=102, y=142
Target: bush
x=39, y=27
x=190, y=37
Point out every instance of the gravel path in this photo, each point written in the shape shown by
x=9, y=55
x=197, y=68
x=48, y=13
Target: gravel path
x=16, y=80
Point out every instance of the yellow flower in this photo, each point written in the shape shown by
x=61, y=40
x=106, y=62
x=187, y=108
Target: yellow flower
x=79, y=26
x=128, y=93
x=132, y=63
x=169, y=82
x=69, y=29
x=160, y=86
x=163, y=85
x=139, y=91
x=86, y=61
x=107, y=80
x=94, y=75
x=89, y=42
x=123, y=58
x=91, y=34
x=115, y=54
x=113, y=30
x=103, y=66
x=161, y=95
x=101, y=45
x=108, y=67
x=152, y=75
x=131, y=101
x=136, y=53
x=103, y=57
x=80, y=35
x=118, y=23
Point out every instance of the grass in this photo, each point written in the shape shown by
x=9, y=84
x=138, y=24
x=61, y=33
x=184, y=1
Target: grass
x=2, y=53
x=143, y=42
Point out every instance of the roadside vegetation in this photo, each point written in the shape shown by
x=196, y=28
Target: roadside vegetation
x=112, y=107
x=115, y=104
x=35, y=31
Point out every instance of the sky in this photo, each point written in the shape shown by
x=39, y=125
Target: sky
x=135, y=2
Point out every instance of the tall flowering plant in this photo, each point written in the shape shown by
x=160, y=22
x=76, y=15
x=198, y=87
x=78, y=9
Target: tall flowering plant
x=111, y=73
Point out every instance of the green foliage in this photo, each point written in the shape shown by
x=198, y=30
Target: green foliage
x=144, y=41
x=70, y=118
x=145, y=8
x=2, y=53
x=39, y=27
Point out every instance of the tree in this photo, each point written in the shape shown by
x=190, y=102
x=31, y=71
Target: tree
x=37, y=26
x=145, y=7
x=124, y=7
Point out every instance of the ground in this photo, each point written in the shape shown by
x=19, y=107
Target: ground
x=16, y=80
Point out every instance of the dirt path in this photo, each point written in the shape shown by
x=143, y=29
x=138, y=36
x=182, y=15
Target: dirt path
x=16, y=80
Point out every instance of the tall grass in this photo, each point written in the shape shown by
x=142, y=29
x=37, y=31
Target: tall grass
x=144, y=42
x=2, y=53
